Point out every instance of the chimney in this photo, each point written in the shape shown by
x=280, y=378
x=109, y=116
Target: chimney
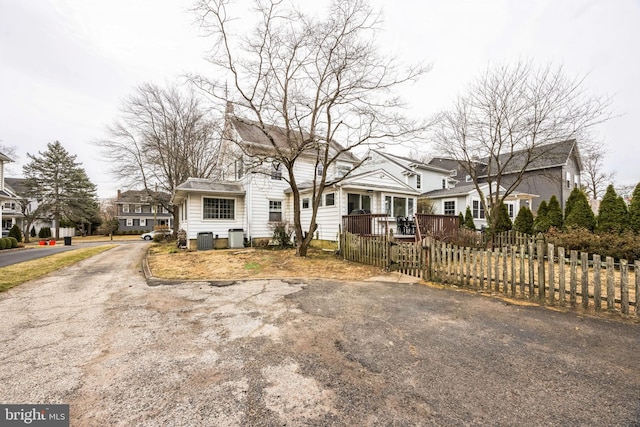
x=228, y=111
x=118, y=198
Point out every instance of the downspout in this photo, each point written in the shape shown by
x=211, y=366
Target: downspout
x=247, y=209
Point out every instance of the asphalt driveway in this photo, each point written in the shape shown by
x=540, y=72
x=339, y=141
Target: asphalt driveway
x=272, y=352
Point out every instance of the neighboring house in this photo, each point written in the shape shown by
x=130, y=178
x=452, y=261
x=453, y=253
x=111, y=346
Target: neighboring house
x=418, y=175
x=6, y=197
x=455, y=200
x=11, y=210
x=141, y=211
x=554, y=170
x=255, y=197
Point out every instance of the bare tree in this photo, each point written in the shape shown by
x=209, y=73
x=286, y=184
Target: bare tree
x=508, y=118
x=318, y=80
x=108, y=217
x=163, y=137
x=595, y=178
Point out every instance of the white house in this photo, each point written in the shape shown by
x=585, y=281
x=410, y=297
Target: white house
x=418, y=175
x=453, y=201
x=253, y=197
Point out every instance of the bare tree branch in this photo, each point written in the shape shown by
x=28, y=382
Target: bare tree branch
x=320, y=79
x=163, y=137
x=507, y=119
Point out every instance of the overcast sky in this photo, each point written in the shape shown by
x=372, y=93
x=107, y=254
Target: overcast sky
x=67, y=65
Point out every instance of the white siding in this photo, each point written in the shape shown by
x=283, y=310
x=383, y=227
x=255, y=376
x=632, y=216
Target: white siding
x=218, y=227
x=432, y=180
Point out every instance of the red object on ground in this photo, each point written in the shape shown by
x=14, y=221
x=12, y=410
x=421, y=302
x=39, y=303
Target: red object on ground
x=42, y=243
x=52, y=242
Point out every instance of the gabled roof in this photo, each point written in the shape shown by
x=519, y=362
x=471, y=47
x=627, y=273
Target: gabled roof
x=136, y=196
x=17, y=185
x=447, y=164
x=461, y=190
x=4, y=158
x=251, y=131
x=546, y=156
x=408, y=164
x=352, y=181
x=465, y=190
x=210, y=185
x=206, y=186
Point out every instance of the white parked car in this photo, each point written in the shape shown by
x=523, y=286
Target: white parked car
x=150, y=235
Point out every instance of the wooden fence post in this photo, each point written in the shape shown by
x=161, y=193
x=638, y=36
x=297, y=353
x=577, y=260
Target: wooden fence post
x=522, y=254
x=552, y=286
x=541, y=275
x=561, y=276
x=597, y=286
x=584, y=261
x=573, y=285
x=532, y=271
x=611, y=291
x=497, y=270
x=481, y=261
x=513, y=271
x=636, y=271
x=624, y=286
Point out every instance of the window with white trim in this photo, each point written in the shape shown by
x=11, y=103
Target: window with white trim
x=357, y=202
x=214, y=208
x=129, y=222
x=330, y=199
x=275, y=210
x=418, y=181
x=568, y=179
x=305, y=203
x=449, y=207
x=510, y=209
x=143, y=222
x=125, y=208
x=319, y=169
x=477, y=209
x=139, y=209
x=444, y=183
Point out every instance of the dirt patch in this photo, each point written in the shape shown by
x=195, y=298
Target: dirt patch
x=253, y=263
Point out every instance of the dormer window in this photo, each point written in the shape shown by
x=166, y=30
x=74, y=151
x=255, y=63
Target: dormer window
x=276, y=171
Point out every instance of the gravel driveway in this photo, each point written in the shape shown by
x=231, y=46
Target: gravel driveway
x=273, y=352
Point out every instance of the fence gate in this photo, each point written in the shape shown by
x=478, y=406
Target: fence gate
x=407, y=258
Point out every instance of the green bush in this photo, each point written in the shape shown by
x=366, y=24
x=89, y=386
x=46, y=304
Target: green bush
x=580, y=214
x=617, y=245
x=158, y=237
x=3, y=244
x=468, y=220
x=554, y=213
x=44, y=233
x=576, y=193
x=33, y=231
x=541, y=222
x=16, y=232
x=503, y=223
x=613, y=216
x=14, y=242
x=524, y=221
x=634, y=210
x=281, y=234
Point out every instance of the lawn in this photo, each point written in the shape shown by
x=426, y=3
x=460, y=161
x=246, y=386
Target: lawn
x=166, y=262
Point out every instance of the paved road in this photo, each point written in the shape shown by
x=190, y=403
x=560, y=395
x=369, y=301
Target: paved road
x=272, y=352
x=17, y=256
